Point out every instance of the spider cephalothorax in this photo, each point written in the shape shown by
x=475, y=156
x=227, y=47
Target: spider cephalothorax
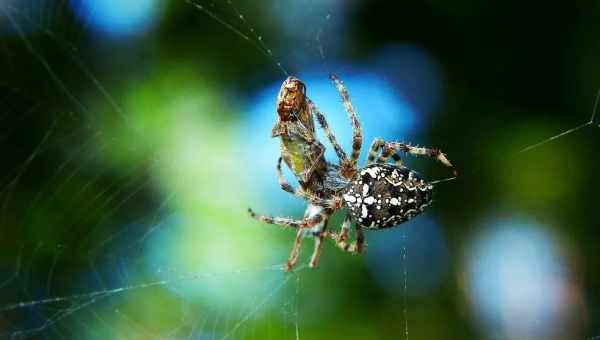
x=377, y=196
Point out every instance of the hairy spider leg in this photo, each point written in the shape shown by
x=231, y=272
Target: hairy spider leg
x=325, y=126
x=282, y=221
x=388, y=152
x=315, y=216
x=319, y=234
x=342, y=239
x=392, y=148
x=377, y=145
x=418, y=151
x=349, y=168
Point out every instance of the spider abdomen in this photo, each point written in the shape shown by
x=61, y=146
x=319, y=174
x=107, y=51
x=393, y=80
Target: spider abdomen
x=382, y=196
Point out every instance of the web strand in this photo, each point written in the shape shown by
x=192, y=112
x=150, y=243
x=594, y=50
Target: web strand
x=577, y=128
x=118, y=290
x=257, y=44
x=590, y=122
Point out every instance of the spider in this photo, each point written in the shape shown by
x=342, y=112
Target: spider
x=376, y=196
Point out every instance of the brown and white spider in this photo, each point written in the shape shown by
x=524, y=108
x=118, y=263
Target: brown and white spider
x=377, y=196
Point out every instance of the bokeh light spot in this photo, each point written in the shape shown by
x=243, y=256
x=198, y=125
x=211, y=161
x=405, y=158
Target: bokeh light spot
x=516, y=280
x=117, y=18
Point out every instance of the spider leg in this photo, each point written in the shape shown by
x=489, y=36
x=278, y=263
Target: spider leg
x=417, y=151
x=356, y=130
x=312, y=219
x=294, y=253
x=376, y=145
x=309, y=221
x=325, y=126
x=387, y=152
x=341, y=240
x=283, y=221
x=319, y=232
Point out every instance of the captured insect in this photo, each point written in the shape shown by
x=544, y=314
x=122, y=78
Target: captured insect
x=300, y=149
x=379, y=195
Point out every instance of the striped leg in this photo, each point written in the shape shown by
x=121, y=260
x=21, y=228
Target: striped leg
x=325, y=126
x=282, y=221
x=389, y=151
x=356, y=130
x=291, y=262
x=377, y=144
x=319, y=218
x=319, y=236
x=433, y=153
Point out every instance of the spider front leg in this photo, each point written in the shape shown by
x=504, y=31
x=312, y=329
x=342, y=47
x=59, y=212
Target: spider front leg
x=387, y=152
x=377, y=145
x=417, y=151
x=327, y=130
x=349, y=168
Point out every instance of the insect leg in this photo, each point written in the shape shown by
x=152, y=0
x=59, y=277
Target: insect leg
x=318, y=160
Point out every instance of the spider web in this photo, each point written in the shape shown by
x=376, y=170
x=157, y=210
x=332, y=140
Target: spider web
x=86, y=210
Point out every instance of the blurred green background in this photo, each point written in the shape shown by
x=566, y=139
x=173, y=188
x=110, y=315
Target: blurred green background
x=134, y=135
